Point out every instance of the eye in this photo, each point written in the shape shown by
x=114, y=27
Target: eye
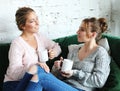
x=31, y=21
x=81, y=29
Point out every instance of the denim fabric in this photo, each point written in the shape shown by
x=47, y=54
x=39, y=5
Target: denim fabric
x=47, y=82
x=24, y=82
x=10, y=85
x=17, y=85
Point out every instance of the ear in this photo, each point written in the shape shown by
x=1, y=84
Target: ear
x=22, y=27
x=94, y=34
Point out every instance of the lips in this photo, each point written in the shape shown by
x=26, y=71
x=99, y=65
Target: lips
x=37, y=27
x=78, y=36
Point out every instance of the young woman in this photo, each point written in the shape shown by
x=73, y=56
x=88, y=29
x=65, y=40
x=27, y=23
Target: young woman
x=91, y=62
x=26, y=52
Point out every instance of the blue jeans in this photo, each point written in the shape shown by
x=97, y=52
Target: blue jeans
x=17, y=85
x=47, y=82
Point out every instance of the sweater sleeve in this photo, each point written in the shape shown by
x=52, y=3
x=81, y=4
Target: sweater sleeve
x=16, y=67
x=100, y=72
x=49, y=44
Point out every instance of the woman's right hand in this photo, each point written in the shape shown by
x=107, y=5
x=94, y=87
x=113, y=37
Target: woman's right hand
x=58, y=63
x=44, y=66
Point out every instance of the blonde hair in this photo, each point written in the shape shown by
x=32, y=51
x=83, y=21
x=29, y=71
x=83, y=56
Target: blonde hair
x=21, y=16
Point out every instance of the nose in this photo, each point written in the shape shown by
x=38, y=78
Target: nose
x=37, y=22
x=77, y=32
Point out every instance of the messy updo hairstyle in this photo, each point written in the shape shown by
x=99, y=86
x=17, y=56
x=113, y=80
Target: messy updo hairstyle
x=21, y=16
x=103, y=24
x=95, y=25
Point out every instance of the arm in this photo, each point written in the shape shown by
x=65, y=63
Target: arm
x=56, y=69
x=99, y=74
x=16, y=68
x=51, y=45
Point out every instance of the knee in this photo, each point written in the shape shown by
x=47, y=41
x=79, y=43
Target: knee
x=35, y=78
x=32, y=69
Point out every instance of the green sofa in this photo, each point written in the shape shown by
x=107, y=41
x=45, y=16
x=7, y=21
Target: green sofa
x=113, y=82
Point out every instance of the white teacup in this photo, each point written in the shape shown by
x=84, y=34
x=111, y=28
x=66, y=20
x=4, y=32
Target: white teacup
x=44, y=56
x=67, y=65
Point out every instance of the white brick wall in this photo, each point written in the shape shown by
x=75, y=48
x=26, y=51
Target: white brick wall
x=58, y=18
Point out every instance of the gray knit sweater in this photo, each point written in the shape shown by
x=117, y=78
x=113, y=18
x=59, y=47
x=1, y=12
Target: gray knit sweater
x=90, y=73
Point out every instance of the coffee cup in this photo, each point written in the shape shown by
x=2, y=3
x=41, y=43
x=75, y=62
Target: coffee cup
x=67, y=65
x=44, y=56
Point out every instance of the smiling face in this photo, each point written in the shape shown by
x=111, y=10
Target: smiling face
x=32, y=23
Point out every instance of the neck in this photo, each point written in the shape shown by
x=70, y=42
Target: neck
x=28, y=36
x=90, y=45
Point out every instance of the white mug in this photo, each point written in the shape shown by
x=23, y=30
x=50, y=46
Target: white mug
x=67, y=65
x=44, y=56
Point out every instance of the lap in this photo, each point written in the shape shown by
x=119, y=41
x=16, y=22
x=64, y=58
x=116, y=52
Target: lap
x=10, y=85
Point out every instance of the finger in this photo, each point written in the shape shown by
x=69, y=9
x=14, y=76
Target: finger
x=61, y=58
x=40, y=65
x=65, y=72
x=58, y=63
x=50, y=50
x=51, y=55
x=64, y=75
x=46, y=68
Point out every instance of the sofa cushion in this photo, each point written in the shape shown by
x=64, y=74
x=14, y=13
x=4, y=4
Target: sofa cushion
x=104, y=43
x=113, y=82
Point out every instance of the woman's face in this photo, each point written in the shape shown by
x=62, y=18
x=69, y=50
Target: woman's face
x=82, y=34
x=32, y=23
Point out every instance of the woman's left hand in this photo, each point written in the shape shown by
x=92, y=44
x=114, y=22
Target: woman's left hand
x=44, y=66
x=67, y=74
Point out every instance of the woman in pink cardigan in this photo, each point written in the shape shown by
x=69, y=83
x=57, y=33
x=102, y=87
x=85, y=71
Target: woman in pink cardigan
x=26, y=50
x=27, y=70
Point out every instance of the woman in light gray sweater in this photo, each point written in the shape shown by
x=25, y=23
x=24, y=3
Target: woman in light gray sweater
x=91, y=62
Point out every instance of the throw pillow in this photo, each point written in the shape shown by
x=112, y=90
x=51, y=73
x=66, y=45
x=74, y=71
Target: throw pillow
x=104, y=43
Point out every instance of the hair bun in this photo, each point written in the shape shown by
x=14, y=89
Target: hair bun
x=103, y=24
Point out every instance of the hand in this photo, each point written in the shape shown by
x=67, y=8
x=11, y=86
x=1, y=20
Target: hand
x=58, y=63
x=44, y=66
x=67, y=74
x=51, y=53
